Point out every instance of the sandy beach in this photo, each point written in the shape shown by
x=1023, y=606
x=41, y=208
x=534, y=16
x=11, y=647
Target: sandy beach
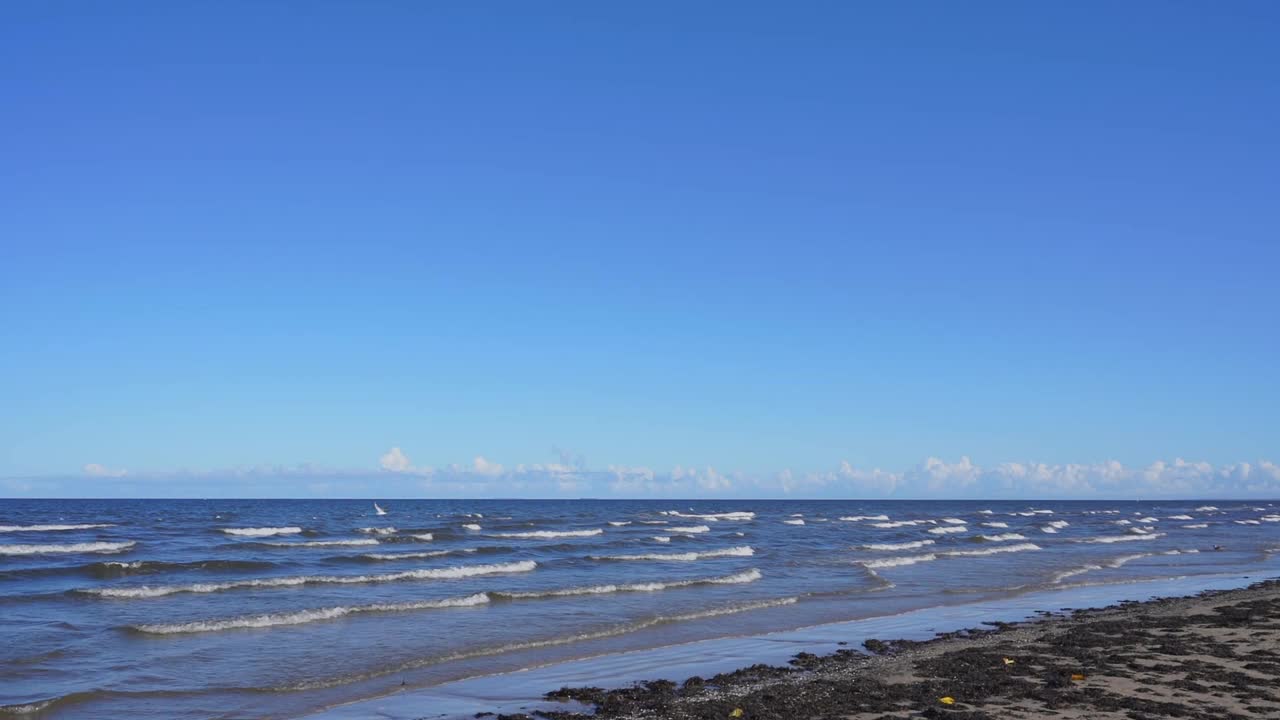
x=1213, y=655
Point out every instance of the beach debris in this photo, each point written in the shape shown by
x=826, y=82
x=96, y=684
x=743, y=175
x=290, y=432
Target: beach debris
x=737, y=713
x=1077, y=677
x=947, y=700
x=1008, y=661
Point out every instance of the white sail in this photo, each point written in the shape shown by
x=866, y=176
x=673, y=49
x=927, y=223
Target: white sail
x=379, y=510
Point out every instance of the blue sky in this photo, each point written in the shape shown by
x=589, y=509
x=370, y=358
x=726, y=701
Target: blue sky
x=725, y=249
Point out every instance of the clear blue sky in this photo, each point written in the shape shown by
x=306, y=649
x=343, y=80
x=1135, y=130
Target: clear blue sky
x=760, y=238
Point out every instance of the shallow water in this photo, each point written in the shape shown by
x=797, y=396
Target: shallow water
x=162, y=609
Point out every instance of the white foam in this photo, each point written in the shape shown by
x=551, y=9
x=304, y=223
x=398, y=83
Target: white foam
x=471, y=526
x=1196, y=526
x=995, y=525
x=1148, y=520
x=737, y=578
x=797, y=521
x=1020, y=547
x=743, y=551
x=694, y=529
x=1113, y=563
x=1180, y=517
x=1121, y=538
x=619, y=523
x=1003, y=537
x=898, y=524
x=52, y=528
x=1041, y=512
x=1120, y=522
x=1270, y=518
x=1247, y=522
x=661, y=538
x=90, y=547
x=543, y=534
x=1191, y=551
x=149, y=591
x=953, y=521
x=424, y=536
x=740, y=515
x=378, y=530
x=948, y=529
x=856, y=518
x=416, y=555
x=324, y=543
x=898, y=546
x=898, y=561
x=985, y=512
x=301, y=617
x=1206, y=508
x=1054, y=526
x=262, y=531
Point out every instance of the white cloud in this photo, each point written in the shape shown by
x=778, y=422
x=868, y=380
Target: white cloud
x=480, y=466
x=96, y=470
x=394, y=460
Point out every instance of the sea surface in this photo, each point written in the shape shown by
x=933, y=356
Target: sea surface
x=282, y=608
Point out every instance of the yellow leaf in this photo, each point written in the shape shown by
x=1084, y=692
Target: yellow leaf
x=737, y=712
x=948, y=700
x=1077, y=676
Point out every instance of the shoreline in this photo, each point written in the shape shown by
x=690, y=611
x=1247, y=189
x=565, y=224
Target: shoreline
x=515, y=693
x=1208, y=656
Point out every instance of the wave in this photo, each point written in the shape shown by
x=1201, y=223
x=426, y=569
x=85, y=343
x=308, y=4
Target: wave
x=1148, y=520
x=619, y=523
x=747, y=576
x=948, y=529
x=90, y=547
x=741, y=515
x=1206, y=508
x=378, y=530
x=262, y=531
x=898, y=546
x=549, y=533
x=902, y=523
x=1020, y=547
x=322, y=543
x=471, y=526
x=1113, y=564
x=146, y=591
x=743, y=551
x=661, y=539
x=1053, y=527
x=52, y=528
x=797, y=521
x=898, y=561
x=1247, y=522
x=1196, y=526
x=1180, y=517
x=1002, y=537
x=1121, y=538
x=416, y=555
x=423, y=536
x=995, y=525
x=301, y=617
x=690, y=530
x=856, y=518
x=953, y=521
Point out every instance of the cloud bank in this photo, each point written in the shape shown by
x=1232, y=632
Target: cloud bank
x=394, y=474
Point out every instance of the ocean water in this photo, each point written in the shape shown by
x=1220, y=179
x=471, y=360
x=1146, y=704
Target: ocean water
x=277, y=608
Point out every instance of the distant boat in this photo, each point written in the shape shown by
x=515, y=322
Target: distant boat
x=379, y=510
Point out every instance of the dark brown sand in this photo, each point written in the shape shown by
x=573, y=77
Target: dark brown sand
x=1215, y=655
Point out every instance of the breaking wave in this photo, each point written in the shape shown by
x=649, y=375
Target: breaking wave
x=52, y=528
x=690, y=530
x=549, y=533
x=737, y=578
x=898, y=546
x=301, y=617
x=90, y=547
x=262, y=531
x=743, y=551
x=1121, y=538
x=148, y=591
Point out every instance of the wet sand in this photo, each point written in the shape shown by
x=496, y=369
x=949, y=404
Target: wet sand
x=1214, y=655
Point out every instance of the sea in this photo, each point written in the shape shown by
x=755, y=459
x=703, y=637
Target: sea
x=289, y=608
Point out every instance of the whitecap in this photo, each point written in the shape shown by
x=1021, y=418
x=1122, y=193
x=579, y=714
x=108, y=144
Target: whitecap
x=1206, y=508
x=856, y=518
x=948, y=529
x=424, y=536
x=619, y=523
x=416, y=555
x=306, y=616
x=898, y=546
x=1180, y=517
x=52, y=528
x=1020, y=547
x=995, y=525
x=953, y=521
x=378, y=530
x=797, y=521
x=1120, y=538
x=149, y=591
x=324, y=543
x=693, y=530
x=1196, y=526
x=542, y=534
x=1002, y=537
x=471, y=526
x=89, y=547
x=743, y=551
x=737, y=578
x=262, y=531
x=898, y=561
